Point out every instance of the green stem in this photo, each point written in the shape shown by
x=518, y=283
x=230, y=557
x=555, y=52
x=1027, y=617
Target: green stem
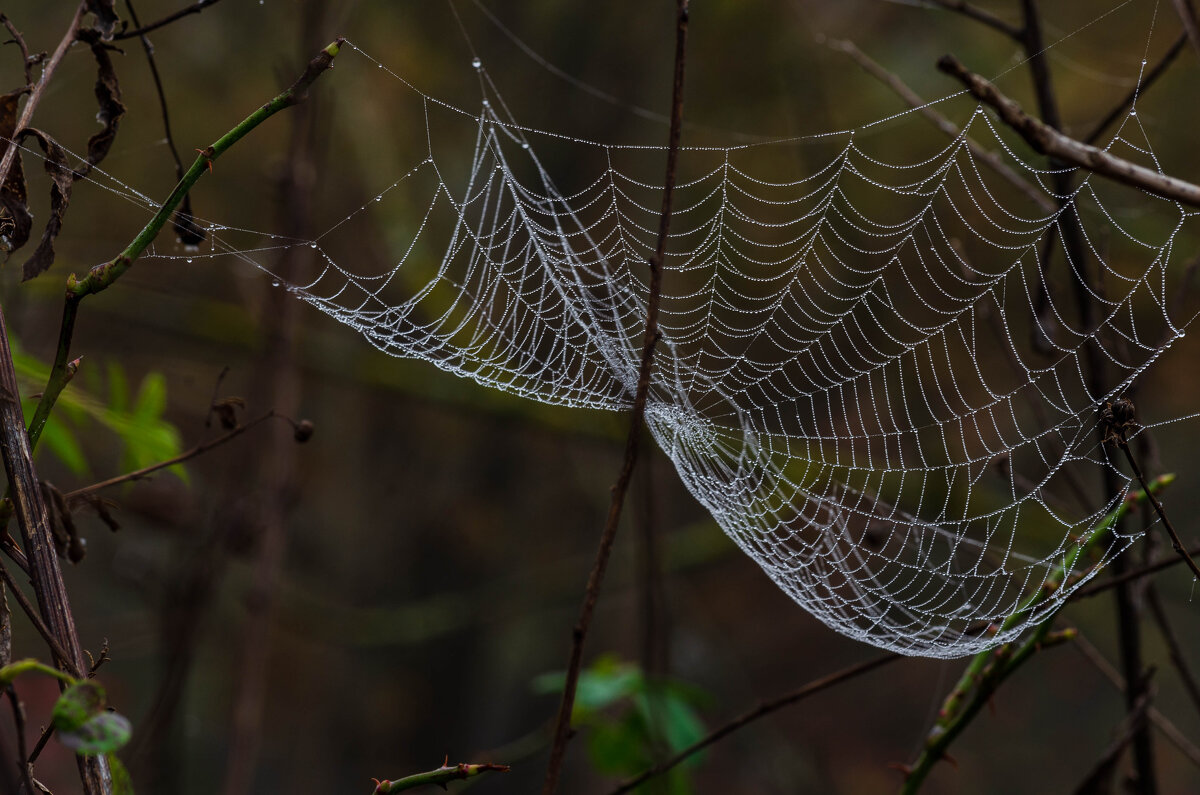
x=101, y=276
x=440, y=777
x=11, y=671
x=989, y=669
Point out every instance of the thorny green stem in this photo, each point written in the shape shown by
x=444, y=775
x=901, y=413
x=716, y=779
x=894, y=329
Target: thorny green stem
x=440, y=777
x=102, y=276
x=988, y=669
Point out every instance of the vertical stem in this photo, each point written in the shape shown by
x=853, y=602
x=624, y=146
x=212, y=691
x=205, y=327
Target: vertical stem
x=562, y=724
x=34, y=521
x=1129, y=629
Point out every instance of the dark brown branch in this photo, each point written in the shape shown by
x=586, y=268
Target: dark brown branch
x=979, y=15
x=1187, y=16
x=1102, y=772
x=1176, y=544
x=562, y=725
x=194, y=8
x=184, y=222
x=1129, y=576
x=763, y=709
x=1160, y=721
x=36, y=620
x=914, y=100
x=73, y=497
x=34, y=520
x=19, y=40
x=1148, y=80
x=1048, y=141
x=1174, y=650
x=19, y=724
x=35, y=96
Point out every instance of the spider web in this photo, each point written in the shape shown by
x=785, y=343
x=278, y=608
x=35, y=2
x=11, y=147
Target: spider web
x=872, y=374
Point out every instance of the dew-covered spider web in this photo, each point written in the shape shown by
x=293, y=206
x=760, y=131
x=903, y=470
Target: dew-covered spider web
x=872, y=371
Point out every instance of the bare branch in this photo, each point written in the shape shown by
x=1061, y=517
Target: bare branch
x=762, y=710
x=979, y=15
x=1160, y=721
x=35, y=96
x=1187, y=15
x=562, y=725
x=194, y=8
x=988, y=158
x=1048, y=141
x=1147, y=80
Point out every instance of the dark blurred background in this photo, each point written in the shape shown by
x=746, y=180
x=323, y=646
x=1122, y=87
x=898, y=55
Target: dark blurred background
x=303, y=618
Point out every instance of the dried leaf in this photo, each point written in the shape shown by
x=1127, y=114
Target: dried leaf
x=15, y=220
x=226, y=410
x=106, y=16
x=108, y=96
x=61, y=178
x=186, y=228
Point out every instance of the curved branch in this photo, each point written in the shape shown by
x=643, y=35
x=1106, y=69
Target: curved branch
x=1048, y=141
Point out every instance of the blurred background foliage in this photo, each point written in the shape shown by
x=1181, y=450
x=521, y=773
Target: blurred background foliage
x=402, y=587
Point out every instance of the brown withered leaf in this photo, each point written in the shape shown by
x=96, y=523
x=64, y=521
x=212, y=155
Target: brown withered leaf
x=61, y=180
x=186, y=228
x=15, y=220
x=106, y=16
x=108, y=96
x=103, y=507
x=226, y=410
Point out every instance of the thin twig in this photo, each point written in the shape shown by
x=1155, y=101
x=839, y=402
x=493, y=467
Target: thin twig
x=1176, y=544
x=1187, y=15
x=158, y=87
x=1046, y=140
x=1150, y=78
x=194, y=8
x=1129, y=576
x=563, y=721
x=38, y=624
x=979, y=15
x=1174, y=650
x=914, y=100
x=35, y=96
x=19, y=40
x=763, y=709
x=439, y=777
x=203, y=447
x=19, y=723
x=1132, y=724
x=1160, y=721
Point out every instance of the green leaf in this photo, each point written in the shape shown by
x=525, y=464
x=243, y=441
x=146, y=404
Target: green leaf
x=61, y=441
x=118, y=388
x=122, y=784
x=104, y=733
x=78, y=704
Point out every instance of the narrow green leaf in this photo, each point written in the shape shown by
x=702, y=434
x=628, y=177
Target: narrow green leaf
x=122, y=783
x=61, y=441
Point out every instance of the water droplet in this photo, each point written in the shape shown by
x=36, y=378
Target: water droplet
x=476, y=63
x=312, y=245
x=1143, y=62
x=274, y=283
x=1133, y=113
x=525, y=145
x=189, y=261
x=379, y=198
